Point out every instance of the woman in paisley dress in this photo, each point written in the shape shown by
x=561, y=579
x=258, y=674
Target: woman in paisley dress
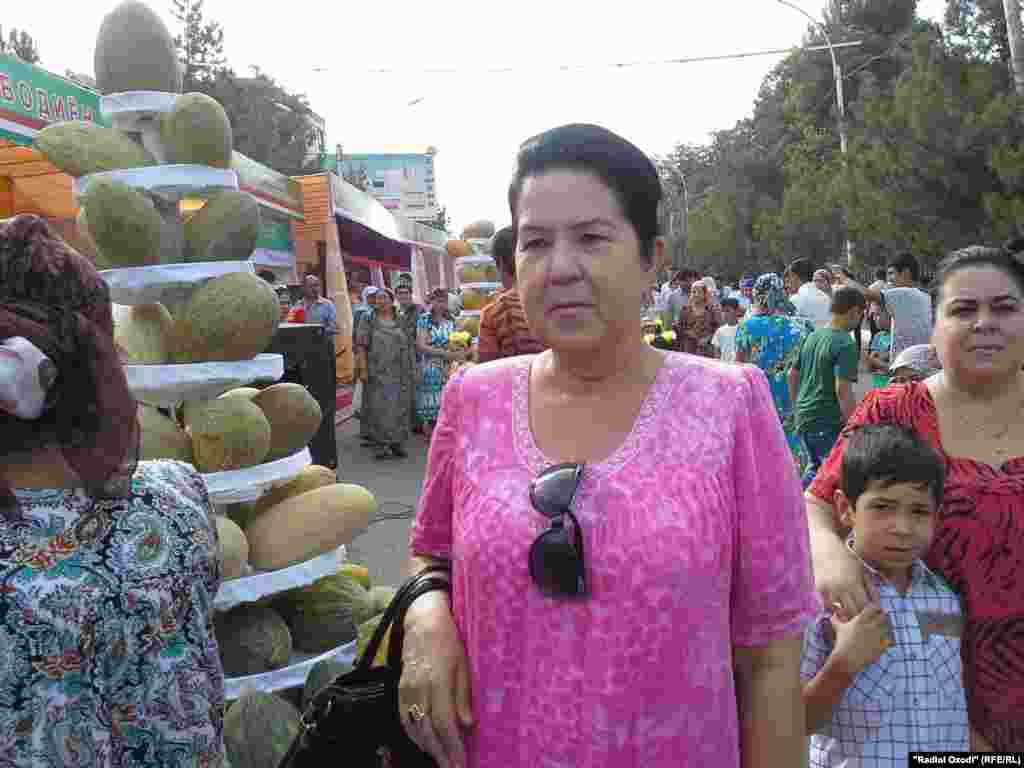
x=108, y=567
x=432, y=331
x=675, y=641
x=972, y=412
x=388, y=367
x=770, y=339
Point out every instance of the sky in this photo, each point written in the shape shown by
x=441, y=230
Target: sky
x=477, y=119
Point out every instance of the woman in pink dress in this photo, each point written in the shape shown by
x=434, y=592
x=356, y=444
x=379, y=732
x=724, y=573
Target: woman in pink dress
x=630, y=563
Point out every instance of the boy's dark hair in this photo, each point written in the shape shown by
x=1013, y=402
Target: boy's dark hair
x=503, y=249
x=267, y=276
x=630, y=175
x=890, y=454
x=803, y=269
x=846, y=298
x=881, y=273
x=904, y=261
x=730, y=302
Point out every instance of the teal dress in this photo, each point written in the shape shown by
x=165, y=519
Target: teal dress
x=434, y=369
x=772, y=343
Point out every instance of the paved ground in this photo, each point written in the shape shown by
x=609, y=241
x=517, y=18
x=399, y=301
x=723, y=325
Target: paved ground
x=396, y=484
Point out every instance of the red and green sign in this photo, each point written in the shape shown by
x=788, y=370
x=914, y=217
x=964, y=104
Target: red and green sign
x=31, y=98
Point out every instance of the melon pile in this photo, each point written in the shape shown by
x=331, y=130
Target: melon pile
x=129, y=227
x=476, y=273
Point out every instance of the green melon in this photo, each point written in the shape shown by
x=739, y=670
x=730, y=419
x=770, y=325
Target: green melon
x=225, y=229
x=123, y=223
x=252, y=640
x=197, y=131
x=135, y=52
x=294, y=417
x=233, y=317
x=141, y=333
x=79, y=148
x=227, y=434
x=322, y=673
x=259, y=728
x=161, y=438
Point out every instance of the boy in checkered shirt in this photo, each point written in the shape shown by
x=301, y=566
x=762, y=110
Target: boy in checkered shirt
x=888, y=681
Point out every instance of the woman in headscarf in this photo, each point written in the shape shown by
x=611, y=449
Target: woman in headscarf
x=770, y=339
x=915, y=363
x=388, y=366
x=698, y=322
x=108, y=568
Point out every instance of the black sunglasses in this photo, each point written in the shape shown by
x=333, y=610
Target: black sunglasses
x=556, y=560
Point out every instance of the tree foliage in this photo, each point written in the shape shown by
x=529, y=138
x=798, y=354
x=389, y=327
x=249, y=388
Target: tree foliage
x=934, y=159
x=271, y=124
x=19, y=44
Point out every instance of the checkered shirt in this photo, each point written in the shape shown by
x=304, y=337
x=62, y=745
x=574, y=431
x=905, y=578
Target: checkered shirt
x=912, y=698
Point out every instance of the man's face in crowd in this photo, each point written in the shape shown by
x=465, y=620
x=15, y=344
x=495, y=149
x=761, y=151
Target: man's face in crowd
x=311, y=287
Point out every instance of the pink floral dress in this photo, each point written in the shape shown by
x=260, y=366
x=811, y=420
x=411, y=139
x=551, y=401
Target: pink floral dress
x=695, y=538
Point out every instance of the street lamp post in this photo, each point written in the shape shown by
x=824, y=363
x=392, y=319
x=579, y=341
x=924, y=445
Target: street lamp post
x=837, y=73
x=679, y=256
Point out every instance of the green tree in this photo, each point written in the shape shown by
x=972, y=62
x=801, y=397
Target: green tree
x=20, y=44
x=200, y=45
x=977, y=29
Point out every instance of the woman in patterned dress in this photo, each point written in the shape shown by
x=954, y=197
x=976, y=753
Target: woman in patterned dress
x=432, y=331
x=972, y=412
x=697, y=322
x=771, y=339
x=675, y=641
x=108, y=568
x=387, y=367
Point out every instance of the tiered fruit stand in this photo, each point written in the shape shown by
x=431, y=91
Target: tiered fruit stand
x=168, y=386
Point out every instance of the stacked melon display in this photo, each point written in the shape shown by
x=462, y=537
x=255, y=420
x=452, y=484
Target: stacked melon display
x=192, y=323
x=476, y=273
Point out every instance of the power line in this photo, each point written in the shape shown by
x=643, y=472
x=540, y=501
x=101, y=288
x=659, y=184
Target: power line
x=584, y=67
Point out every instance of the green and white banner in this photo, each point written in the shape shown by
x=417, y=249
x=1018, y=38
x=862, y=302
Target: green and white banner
x=31, y=98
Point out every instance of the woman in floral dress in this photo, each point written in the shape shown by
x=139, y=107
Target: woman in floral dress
x=432, y=331
x=771, y=339
x=108, y=567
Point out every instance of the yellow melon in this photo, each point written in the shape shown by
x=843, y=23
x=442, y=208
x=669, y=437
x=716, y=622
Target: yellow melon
x=308, y=525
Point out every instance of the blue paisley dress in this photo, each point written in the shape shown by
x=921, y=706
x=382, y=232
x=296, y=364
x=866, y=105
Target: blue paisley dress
x=434, y=370
x=107, y=653
x=772, y=343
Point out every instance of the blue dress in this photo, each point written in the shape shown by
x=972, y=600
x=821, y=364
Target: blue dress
x=772, y=343
x=434, y=369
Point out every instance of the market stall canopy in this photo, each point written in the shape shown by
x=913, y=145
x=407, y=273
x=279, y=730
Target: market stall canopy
x=368, y=231
x=29, y=184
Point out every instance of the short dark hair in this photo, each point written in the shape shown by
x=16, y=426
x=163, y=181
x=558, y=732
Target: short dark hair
x=906, y=261
x=979, y=256
x=503, y=249
x=620, y=165
x=890, y=454
x=846, y=298
x=881, y=273
x=730, y=302
x=267, y=275
x=403, y=285
x=803, y=269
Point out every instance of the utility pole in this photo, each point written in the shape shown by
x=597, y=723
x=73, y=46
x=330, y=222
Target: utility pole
x=837, y=73
x=1013, y=29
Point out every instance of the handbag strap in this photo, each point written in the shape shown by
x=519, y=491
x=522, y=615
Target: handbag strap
x=421, y=587
x=398, y=605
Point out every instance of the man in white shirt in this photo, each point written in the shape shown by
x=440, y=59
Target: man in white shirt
x=810, y=301
x=909, y=307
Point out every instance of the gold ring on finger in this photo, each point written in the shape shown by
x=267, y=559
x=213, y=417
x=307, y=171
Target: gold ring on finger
x=416, y=713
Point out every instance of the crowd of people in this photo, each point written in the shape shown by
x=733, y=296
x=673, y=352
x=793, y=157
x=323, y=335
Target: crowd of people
x=674, y=537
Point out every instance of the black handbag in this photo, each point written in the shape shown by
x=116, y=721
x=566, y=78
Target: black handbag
x=354, y=720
